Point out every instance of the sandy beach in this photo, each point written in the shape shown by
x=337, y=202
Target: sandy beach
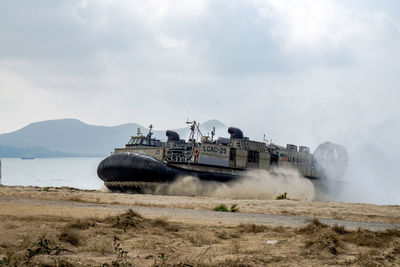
x=70, y=227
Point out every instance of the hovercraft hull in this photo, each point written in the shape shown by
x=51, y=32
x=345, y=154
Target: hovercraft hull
x=135, y=172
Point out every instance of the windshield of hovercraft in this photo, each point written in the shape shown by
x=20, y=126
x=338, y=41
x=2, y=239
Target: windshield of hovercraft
x=143, y=141
x=135, y=141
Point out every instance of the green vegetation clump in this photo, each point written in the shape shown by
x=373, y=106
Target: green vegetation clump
x=221, y=207
x=234, y=208
x=282, y=196
x=224, y=208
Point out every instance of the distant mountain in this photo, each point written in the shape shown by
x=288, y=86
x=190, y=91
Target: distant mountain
x=71, y=137
x=32, y=152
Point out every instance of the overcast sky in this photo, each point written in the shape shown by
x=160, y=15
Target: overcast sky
x=285, y=68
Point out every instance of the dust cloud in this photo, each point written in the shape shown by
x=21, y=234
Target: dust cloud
x=255, y=184
x=373, y=172
x=104, y=189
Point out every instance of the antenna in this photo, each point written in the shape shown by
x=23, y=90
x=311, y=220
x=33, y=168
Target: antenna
x=198, y=131
x=194, y=130
x=149, y=134
x=265, y=140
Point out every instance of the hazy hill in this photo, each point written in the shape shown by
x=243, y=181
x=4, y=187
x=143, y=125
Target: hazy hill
x=69, y=135
x=35, y=152
x=74, y=138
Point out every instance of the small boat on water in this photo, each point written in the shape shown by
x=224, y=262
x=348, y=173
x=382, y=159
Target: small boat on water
x=27, y=158
x=147, y=162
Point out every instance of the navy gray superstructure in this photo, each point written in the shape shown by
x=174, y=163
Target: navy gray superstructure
x=146, y=162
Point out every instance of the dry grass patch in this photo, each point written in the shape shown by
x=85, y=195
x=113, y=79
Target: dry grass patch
x=163, y=224
x=83, y=224
x=133, y=220
x=396, y=249
x=326, y=240
x=339, y=229
x=313, y=227
x=70, y=236
x=129, y=239
x=125, y=221
x=199, y=239
x=43, y=246
x=367, y=238
x=235, y=247
x=225, y=235
x=322, y=237
x=255, y=229
x=375, y=257
x=252, y=228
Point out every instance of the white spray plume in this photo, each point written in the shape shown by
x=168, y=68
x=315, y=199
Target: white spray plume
x=255, y=184
x=104, y=189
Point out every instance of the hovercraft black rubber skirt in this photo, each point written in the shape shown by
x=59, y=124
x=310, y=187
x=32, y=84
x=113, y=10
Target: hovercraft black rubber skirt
x=128, y=167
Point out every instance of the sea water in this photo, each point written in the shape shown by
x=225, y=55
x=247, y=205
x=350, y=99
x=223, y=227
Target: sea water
x=73, y=172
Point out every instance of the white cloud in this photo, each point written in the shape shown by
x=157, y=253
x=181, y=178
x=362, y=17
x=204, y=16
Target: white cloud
x=309, y=24
x=315, y=59
x=327, y=32
x=170, y=42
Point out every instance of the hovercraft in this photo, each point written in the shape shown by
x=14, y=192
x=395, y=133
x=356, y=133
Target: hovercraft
x=147, y=162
